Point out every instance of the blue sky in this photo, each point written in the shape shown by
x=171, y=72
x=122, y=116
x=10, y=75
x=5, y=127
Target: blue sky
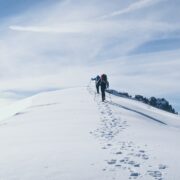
x=47, y=44
x=13, y=7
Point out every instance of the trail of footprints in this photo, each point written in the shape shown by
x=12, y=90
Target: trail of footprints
x=125, y=155
x=110, y=125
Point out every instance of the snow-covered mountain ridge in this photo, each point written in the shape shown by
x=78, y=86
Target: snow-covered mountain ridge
x=71, y=135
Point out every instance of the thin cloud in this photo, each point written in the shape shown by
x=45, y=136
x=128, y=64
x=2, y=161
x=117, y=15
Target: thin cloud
x=62, y=29
x=132, y=7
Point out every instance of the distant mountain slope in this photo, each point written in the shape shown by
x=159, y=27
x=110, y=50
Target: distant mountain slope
x=71, y=135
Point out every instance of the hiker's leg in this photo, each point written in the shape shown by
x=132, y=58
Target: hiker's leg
x=103, y=95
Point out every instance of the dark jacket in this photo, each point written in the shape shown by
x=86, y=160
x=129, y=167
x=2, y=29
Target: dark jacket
x=104, y=85
x=97, y=80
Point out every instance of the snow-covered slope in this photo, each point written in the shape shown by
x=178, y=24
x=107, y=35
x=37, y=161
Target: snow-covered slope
x=71, y=135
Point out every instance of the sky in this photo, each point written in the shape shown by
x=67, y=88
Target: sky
x=51, y=44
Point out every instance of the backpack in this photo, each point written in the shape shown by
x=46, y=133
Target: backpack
x=104, y=80
x=104, y=77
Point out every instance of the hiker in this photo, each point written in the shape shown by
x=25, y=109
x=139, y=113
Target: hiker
x=97, y=80
x=104, y=85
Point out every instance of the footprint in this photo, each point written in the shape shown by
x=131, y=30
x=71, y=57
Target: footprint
x=145, y=157
x=112, y=161
x=109, y=144
x=122, y=160
x=136, y=165
x=104, y=147
x=141, y=151
x=132, y=162
x=156, y=174
x=118, y=152
x=161, y=166
x=135, y=174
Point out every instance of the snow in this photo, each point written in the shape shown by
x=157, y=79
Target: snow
x=5, y=102
x=70, y=134
x=10, y=108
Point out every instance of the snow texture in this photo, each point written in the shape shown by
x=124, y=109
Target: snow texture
x=71, y=135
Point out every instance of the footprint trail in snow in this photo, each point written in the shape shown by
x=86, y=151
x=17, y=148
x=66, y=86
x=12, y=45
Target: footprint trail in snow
x=125, y=155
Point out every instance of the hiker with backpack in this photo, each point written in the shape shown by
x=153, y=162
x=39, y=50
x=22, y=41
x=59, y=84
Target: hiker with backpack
x=104, y=85
x=97, y=80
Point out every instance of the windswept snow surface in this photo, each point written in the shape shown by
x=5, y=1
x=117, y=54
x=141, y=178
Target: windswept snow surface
x=71, y=135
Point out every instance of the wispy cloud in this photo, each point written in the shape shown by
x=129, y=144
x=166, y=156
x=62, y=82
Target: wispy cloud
x=132, y=7
x=63, y=29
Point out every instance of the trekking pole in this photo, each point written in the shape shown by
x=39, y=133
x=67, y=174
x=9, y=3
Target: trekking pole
x=88, y=86
x=94, y=96
x=89, y=83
